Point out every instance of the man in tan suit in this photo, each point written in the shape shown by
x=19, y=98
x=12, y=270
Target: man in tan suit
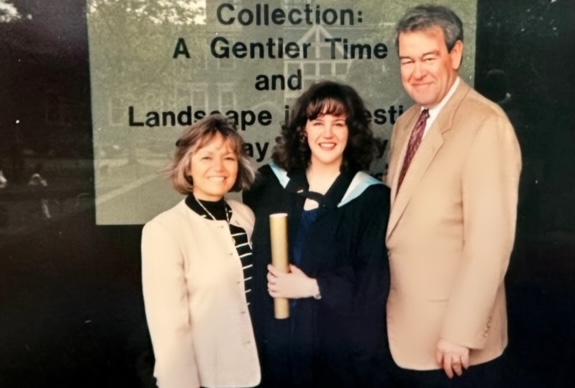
x=454, y=172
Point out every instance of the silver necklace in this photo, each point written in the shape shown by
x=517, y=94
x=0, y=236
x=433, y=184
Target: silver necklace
x=210, y=214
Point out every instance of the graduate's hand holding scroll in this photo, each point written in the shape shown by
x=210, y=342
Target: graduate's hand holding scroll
x=294, y=284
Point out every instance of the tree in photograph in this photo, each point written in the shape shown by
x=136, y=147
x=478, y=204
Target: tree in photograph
x=8, y=12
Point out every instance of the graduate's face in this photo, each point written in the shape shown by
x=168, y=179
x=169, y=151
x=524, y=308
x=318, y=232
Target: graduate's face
x=327, y=137
x=214, y=169
x=428, y=69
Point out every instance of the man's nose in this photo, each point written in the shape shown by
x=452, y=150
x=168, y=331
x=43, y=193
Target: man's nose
x=418, y=70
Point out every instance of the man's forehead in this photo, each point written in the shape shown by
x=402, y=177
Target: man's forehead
x=421, y=41
x=431, y=32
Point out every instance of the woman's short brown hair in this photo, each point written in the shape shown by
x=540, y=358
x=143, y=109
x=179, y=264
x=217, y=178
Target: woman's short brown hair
x=198, y=135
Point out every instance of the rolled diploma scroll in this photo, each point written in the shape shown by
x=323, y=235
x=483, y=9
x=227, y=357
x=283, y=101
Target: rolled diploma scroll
x=280, y=257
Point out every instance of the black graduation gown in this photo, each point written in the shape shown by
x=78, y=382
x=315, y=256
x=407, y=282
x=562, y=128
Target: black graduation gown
x=339, y=340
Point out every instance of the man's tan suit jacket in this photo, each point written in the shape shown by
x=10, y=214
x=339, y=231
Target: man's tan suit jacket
x=451, y=231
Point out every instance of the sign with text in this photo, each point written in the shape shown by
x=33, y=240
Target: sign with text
x=157, y=67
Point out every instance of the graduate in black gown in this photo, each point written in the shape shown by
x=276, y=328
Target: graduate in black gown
x=339, y=273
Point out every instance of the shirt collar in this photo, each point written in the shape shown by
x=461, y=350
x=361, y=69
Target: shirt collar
x=434, y=111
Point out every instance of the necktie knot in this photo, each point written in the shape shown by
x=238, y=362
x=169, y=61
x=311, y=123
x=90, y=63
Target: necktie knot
x=423, y=116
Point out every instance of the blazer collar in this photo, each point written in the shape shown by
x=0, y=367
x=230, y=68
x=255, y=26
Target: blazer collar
x=428, y=148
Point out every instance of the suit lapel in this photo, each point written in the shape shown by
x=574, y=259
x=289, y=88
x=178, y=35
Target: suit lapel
x=424, y=156
x=421, y=161
x=397, y=160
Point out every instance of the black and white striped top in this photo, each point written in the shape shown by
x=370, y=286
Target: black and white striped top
x=221, y=211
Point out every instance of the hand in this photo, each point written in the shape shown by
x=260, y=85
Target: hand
x=452, y=357
x=293, y=285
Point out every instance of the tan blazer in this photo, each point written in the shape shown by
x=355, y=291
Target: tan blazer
x=451, y=231
x=195, y=300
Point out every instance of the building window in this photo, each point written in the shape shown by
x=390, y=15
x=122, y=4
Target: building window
x=183, y=98
x=196, y=96
x=226, y=98
x=341, y=69
x=325, y=69
x=200, y=99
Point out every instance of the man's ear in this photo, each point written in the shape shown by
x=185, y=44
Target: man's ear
x=456, y=55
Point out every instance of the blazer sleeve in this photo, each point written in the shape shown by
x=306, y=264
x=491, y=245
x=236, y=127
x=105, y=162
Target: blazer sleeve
x=489, y=191
x=167, y=311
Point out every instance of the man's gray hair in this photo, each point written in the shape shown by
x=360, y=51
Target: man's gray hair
x=426, y=16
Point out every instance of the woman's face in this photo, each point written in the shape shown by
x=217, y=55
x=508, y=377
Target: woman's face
x=214, y=169
x=327, y=138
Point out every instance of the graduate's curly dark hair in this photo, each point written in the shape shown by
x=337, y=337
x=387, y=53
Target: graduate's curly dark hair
x=326, y=97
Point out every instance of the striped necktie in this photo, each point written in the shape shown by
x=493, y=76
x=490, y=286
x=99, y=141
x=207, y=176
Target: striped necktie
x=414, y=142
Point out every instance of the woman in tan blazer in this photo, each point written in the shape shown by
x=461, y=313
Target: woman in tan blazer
x=196, y=266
